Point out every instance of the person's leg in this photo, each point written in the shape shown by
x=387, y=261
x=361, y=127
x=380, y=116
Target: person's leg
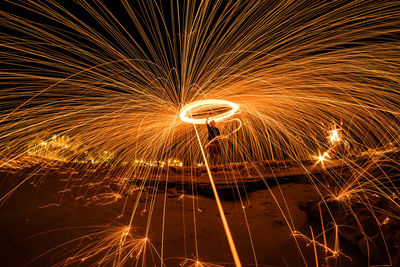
x=211, y=152
x=217, y=152
x=215, y=156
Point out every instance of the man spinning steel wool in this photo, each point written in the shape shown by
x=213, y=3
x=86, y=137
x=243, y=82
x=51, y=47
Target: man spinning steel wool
x=214, y=147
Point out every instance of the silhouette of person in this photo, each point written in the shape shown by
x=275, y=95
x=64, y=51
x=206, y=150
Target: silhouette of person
x=214, y=147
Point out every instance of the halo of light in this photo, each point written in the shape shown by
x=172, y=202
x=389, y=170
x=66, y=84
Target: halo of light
x=185, y=113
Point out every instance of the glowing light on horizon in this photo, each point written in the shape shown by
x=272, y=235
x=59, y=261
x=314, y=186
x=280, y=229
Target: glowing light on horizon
x=334, y=136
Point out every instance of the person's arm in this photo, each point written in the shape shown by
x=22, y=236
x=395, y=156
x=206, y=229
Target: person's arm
x=208, y=125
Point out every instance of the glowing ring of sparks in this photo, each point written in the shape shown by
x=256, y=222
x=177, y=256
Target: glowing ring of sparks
x=186, y=111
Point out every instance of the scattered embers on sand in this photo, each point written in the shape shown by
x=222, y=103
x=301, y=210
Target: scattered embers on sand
x=66, y=196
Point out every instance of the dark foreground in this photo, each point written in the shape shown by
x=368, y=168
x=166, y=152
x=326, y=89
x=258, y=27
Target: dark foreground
x=55, y=206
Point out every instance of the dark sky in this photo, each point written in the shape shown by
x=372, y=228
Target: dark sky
x=169, y=9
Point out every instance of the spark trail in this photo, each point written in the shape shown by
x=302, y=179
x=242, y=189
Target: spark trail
x=188, y=109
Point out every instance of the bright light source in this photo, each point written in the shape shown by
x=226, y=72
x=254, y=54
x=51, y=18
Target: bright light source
x=190, y=109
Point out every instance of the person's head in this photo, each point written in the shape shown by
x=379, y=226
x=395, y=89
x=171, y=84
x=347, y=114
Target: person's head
x=212, y=123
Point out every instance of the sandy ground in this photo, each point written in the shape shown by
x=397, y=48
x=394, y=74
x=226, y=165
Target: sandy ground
x=40, y=217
